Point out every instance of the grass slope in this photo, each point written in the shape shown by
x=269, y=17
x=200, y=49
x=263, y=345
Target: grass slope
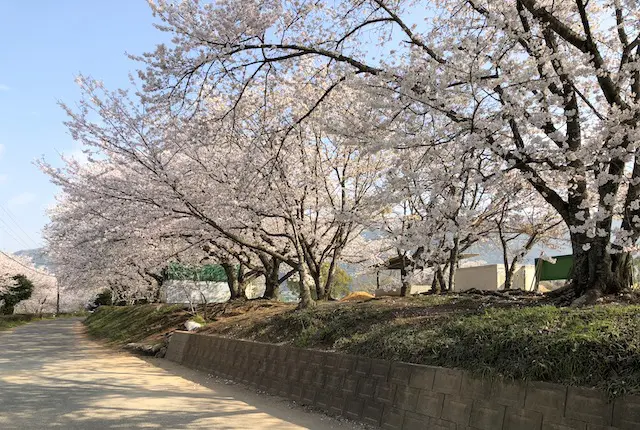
x=10, y=321
x=125, y=324
x=594, y=347
x=597, y=347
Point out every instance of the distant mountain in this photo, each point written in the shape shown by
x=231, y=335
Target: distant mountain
x=38, y=256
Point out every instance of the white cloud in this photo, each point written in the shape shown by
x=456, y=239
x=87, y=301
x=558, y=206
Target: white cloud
x=21, y=200
x=1, y=149
x=4, y=87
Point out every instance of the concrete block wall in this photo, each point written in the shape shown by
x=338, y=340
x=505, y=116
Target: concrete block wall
x=401, y=396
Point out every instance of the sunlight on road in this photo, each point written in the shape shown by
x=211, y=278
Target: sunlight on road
x=51, y=377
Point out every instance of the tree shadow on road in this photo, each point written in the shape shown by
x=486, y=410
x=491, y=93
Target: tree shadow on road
x=52, y=377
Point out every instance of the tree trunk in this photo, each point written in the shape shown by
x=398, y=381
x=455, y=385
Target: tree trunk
x=453, y=264
x=598, y=272
x=441, y=281
x=405, y=289
x=157, y=290
x=242, y=283
x=509, y=272
x=318, y=291
x=306, y=301
x=435, y=285
x=272, y=280
x=595, y=272
x=232, y=279
x=328, y=286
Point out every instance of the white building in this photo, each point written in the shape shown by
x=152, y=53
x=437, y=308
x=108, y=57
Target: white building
x=197, y=292
x=490, y=277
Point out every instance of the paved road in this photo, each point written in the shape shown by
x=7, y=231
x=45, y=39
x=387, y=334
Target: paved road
x=51, y=376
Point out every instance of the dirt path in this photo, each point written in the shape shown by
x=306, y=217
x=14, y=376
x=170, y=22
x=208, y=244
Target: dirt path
x=51, y=376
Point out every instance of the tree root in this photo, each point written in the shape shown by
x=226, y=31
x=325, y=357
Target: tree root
x=562, y=296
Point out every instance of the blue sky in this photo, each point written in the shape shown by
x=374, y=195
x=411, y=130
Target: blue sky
x=44, y=44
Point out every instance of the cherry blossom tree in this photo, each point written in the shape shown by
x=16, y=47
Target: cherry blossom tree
x=43, y=297
x=438, y=206
x=549, y=89
x=524, y=221
x=249, y=190
x=100, y=238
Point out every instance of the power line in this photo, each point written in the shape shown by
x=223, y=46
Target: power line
x=11, y=235
x=10, y=215
x=33, y=269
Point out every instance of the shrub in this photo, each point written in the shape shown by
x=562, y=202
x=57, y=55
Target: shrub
x=21, y=290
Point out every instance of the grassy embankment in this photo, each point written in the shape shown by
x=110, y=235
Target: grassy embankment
x=596, y=346
x=120, y=325
x=10, y=321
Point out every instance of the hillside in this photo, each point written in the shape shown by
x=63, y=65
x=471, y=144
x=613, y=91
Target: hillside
x=37, y=255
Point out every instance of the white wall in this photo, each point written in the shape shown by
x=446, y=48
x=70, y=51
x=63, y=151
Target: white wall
x=214, y=292
x=192, y=292
x=523, y=277
x=491, y=277
x=478, y=277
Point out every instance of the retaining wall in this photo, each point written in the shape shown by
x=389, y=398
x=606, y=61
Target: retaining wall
x=401, y=396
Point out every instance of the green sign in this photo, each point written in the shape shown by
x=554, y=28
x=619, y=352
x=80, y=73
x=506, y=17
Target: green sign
x=560, y=270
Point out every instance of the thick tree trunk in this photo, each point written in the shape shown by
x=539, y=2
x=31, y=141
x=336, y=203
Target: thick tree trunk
x=598, y=272
x=595, y=272
x=306, y=301
x=441, y=281
x=232, y=280
x=435, y=285
x=272, y=280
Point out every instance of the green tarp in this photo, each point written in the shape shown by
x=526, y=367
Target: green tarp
x=546, y=271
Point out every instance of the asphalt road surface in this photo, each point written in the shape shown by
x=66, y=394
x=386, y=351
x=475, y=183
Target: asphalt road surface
x=52, y=376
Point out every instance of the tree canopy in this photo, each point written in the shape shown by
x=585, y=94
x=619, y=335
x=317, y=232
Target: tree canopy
x=274, y=134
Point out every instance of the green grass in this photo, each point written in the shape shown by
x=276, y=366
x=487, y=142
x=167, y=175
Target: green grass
x=324, y=326
x=126, y=324
x=10, y=321
x=594, y=347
